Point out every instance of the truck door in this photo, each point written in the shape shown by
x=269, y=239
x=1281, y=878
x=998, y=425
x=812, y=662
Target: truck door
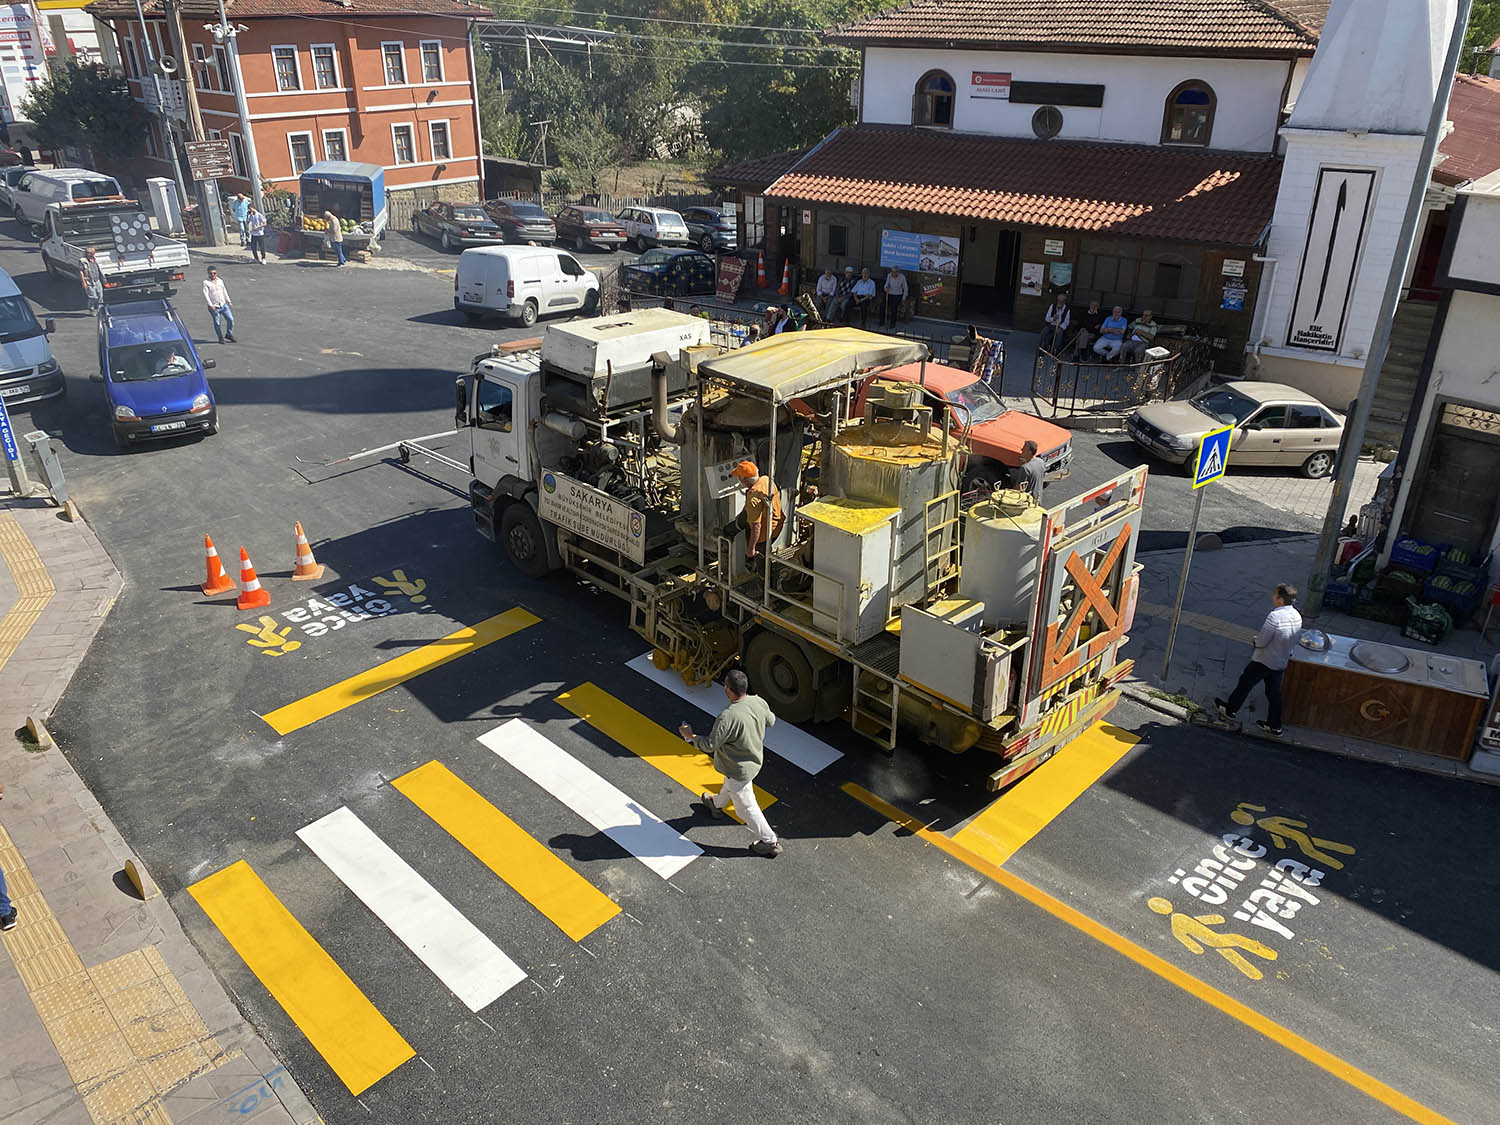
x=495, y=411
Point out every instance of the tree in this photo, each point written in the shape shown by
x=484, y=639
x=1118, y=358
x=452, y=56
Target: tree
x=1484, y=29
x=549, y=92
x=589, y=149
x=504, y=134
x=85, y=106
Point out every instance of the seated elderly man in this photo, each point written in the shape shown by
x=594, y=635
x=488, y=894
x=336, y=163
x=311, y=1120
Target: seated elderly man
x=1139, y=337
x=1112, y=334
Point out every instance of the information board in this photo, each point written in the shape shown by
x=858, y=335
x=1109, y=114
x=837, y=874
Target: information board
x=597, y=516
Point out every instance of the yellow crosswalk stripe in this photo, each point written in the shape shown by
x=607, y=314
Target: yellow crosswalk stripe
x=339, y=1021
x=397, y=670
x=1040, y=797
x=571, y=902
x=689, y=767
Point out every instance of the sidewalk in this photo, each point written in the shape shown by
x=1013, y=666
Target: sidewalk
x=110, y=1014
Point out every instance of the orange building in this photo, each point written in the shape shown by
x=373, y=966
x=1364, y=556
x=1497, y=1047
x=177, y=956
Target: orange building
x=388, y=82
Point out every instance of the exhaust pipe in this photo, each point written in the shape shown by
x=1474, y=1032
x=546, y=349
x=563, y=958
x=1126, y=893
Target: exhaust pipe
x=664, y=425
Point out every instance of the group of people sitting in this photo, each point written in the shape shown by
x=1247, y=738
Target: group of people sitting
x=841, y=300
x=1112, y=338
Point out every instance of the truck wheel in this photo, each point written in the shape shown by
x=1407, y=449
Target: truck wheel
x=781, y=674
x=981, y=478
x=521, y=533
x=528, y=314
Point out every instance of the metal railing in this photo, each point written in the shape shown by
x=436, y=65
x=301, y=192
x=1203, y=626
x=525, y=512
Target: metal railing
x=1073, y=386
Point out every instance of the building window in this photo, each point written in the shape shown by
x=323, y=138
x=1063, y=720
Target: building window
x=1189, y=116
x=301, y=147
x=437, y=133
x=325, y=66
x=395, y=63
x=838, y=240
x=132, y=64
x=335, y=144
x=755, y=220
x=403, y=140
x=221, y=61
x=933, y=102
x=287, y=75
x=237, y=156
x=432, y=60
x=201, y=69
x=153, y=138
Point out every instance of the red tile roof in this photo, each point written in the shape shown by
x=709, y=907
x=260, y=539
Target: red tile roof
x=273, y=9
x=757, y=173
x=1472, y=150
x=1136, y=191
x=1161, y=27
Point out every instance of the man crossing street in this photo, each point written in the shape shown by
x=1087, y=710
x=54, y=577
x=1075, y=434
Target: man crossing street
x=737, y=745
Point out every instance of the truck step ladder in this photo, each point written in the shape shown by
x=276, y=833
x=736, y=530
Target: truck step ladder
x=873, y=712
x=942, y=527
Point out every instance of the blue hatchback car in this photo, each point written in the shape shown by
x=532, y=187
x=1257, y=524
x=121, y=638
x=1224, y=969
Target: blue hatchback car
x=152, y=374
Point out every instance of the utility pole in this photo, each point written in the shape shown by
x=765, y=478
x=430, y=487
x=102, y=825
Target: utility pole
x=208, y=190
x=161, y=105
x=1375, y=358
x=228, y=34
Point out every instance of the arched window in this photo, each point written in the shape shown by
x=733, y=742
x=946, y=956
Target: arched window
x=1189, y=116
x=932, y=104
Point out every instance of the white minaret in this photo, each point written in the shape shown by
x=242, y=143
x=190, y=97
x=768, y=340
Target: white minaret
x=1352, y=146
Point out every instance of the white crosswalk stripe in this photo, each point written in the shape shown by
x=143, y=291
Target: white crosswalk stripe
x=476, y=970
x=636, y=829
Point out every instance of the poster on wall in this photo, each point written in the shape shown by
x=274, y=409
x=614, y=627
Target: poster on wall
x=992, y=84
x=1031, y=279
x=919, y=253
x=1330, y=258
x=1059, y=274
x=1234, y=295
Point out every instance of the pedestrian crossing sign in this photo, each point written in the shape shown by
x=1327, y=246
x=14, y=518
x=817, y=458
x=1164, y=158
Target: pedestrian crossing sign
x=1213, y=456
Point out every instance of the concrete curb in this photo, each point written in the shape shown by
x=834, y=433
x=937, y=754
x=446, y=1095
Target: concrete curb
x=1146, y=696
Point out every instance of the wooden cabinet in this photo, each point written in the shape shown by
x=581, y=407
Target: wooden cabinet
x=1379, y=708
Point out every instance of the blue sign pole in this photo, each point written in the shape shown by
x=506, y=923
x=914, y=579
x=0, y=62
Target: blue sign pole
x=1213, y=459
x=20, y=482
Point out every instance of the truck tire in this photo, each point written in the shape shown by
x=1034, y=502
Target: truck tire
x=522, y=536
x=781, y=674
x=981, y=477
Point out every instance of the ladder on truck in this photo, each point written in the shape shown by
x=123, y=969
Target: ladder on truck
x=875, y=702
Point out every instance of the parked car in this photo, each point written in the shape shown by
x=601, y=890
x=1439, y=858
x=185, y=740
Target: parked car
x=153, y=377
x=1273, y=425
x=711, y=229
x=36, y=190
x=29, y=372
x=456, y=225
x=522, y=222
x=9, y=178
x=668, y=273
x=522, y=283
x=653, y=226
x=582, y=227
x=996, y=433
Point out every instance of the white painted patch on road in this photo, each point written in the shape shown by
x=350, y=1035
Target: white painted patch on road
x=476, y=970
x=785, y=740
x=639, y=831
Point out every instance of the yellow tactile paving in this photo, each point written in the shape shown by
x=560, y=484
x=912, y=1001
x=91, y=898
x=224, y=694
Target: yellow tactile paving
x=33, y=588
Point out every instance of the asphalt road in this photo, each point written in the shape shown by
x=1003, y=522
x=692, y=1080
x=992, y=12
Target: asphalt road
x=865, y=975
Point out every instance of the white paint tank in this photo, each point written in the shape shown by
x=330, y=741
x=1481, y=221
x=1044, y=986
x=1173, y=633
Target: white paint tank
x=1002, y=549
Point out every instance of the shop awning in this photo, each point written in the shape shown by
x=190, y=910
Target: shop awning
x=1136, y=191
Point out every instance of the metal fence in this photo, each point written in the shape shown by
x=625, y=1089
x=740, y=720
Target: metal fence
x=406, y=203
x=1074, y=387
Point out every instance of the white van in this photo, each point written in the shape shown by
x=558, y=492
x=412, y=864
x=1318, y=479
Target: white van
x=522, y=283
x=28, y=369
x=35, y=190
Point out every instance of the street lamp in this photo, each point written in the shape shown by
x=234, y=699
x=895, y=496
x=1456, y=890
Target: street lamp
x=226, y=35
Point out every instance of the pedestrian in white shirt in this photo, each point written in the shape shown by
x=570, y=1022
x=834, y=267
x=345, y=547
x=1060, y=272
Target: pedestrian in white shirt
x=895, y=292
x=256, y=223
x=219, y=305
x=1272, y=653
x=827, y=289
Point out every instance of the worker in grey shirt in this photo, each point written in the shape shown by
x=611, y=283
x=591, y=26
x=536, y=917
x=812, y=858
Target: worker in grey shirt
x=1031, y=474
x=737, y=745
x=1272, y=653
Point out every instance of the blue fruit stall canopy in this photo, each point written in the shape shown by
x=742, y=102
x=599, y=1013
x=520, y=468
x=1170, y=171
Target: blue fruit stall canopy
x=354, y=192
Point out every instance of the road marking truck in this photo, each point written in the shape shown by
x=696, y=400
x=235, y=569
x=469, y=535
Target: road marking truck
x=608, y=448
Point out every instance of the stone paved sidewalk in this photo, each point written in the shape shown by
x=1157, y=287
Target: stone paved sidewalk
x=110, y=1014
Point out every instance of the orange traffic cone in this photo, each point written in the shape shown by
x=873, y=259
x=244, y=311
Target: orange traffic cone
x=252, y=596
x=760, y=270
x=217, y=582
x=786, y=278
x=306, y=568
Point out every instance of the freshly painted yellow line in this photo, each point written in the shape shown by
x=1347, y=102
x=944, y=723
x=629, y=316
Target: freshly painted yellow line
x=356, y=1040
x=690, y=768
x=1162, y=968
x=574, y=905
x=397, y=670
x=1040, y=797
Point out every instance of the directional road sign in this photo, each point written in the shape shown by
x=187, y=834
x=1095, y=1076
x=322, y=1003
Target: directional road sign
x=1213, y=456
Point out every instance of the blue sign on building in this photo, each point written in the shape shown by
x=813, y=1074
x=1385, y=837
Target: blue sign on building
x=900, y=248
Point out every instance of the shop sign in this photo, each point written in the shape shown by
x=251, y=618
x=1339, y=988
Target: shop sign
x=919, y=253
x=1234, y=295
x=1330, y=258
x=592, y=513
x=1234, y=267
x=992, y=84
x=1052, y=246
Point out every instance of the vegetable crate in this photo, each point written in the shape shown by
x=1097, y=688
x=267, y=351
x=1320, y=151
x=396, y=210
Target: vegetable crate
x=1414, y=554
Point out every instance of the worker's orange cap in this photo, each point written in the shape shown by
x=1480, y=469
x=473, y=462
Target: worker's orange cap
x=745, y=470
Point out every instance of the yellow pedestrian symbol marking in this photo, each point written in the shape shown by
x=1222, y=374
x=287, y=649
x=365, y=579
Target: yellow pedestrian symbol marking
x=1283, y=830
x=269, y=639
x=399, y=583
x=1198, y=936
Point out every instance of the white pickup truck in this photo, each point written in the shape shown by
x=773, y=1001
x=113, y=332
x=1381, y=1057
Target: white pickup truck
x=131, y=256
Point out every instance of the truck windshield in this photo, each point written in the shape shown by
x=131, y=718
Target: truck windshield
x=159, y=359
x=17, y=321
x=981, y=403
x=95, y=189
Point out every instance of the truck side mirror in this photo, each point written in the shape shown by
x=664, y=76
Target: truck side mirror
x=460, y=403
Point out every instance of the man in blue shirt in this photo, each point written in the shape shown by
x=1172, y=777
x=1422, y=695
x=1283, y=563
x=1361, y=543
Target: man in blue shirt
x=241, y=208
x=1112, y=334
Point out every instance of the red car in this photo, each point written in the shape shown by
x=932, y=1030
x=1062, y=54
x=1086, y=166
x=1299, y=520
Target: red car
x=582, y=227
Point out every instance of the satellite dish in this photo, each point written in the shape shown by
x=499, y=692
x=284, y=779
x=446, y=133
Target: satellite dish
x=167, y=65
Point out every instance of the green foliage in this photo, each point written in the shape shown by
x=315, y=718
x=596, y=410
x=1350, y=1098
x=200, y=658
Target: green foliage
x=504, y=135
x=86, y=106
x=558, y=181
x=1484, y=29
x=280, y=205
x=548, y=92
x=590, y=149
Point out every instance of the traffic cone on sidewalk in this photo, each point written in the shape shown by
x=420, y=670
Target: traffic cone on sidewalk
x=760, y=270
x=786, y=278
x=252, y=596
x=306, y=568
x=217, y=581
